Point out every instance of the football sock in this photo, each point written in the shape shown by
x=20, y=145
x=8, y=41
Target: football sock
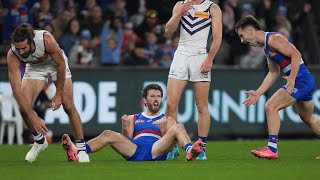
x=272, y=143
x=204, y=140
x=88, y=149
x=81, y=145
x=187, y=147
x=38, y=138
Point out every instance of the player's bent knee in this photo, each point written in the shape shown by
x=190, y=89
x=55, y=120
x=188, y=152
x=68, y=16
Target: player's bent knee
x=171, y=105
x=107, y=133
x=270, y=107
x=202, y=108
x=177, y=127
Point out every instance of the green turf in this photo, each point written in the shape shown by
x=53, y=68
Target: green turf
x=226, y=160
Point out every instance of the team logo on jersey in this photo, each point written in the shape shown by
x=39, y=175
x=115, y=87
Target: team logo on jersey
x=41, y=58
x=138, y=121
x=172, y=72
x=200, y=14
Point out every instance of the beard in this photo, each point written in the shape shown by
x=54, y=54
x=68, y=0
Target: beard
x=25, y=55
x=153, y=108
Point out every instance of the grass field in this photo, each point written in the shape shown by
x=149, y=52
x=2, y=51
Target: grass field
x=227, y=160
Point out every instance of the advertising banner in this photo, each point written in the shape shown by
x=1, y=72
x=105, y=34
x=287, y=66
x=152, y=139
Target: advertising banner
x=102, y=96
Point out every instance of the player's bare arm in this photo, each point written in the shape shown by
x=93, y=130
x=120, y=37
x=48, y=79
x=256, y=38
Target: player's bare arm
x=127, y=125
x=178, y=11
x=271, y=77
x=216, y=24
x=55, y=52
x=15, y=81
x=280, y=44
x=273, y=74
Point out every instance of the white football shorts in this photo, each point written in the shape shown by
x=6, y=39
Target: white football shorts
x=43, y=70
x=187, y=66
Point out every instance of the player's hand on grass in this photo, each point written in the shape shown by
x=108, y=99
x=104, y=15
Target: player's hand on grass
x=56, y=101
x=290, y=84
x=252, y=99
x=39, y=125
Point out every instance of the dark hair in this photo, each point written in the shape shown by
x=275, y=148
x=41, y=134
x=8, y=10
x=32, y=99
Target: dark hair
x=247, y=21
x=22, y=32
x=151, y=87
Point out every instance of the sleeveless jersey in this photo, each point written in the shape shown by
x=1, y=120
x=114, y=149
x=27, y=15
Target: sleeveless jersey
x=143, y=127
x=283, y=61
x=195, y=28
x=40, y=56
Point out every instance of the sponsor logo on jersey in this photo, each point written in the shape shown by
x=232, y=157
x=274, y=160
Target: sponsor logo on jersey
x=200, y=14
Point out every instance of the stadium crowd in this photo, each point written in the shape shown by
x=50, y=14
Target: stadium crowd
x=96, y=33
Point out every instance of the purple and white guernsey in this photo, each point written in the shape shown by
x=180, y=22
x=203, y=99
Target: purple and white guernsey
x=195, y=28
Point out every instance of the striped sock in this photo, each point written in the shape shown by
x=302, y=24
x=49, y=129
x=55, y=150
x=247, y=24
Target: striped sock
x=81, y=145
x=38, y=138
x=187, y=147
x=273, y=142
x=88, y=149
x=204, y=140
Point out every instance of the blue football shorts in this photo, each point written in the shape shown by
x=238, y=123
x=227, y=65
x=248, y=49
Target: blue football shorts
x=304, y=87
x=143, y=151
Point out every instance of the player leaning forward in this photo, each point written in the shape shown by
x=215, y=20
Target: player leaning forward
x=43, y=58
x=281, y=55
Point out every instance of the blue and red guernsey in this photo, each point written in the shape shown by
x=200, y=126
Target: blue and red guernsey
x=143, y=127
x=283, y=61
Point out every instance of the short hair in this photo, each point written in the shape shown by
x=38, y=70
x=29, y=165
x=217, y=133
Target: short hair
x=22, y=32
x=247, y=21
x=151, y=87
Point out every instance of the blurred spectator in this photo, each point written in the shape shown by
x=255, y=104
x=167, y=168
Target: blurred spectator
x=136, y=10
x=118, y=9
x=60, y=23
x=95, y=24
x=168, y=52
x=137, y=57
x=82, y=54
x=17, y=13
x=246, y=10
x=153, y=51
x=265, y=13
x=231, y=47
x=136, y=6
x=149, y=24
x=228, y=18
x=42, y=15
x=129, y=39
x=3, y=13
x=111, y=47
x=48, y=27
x=89, y=5
x=281, y=19
x=161, y=6
x=253, y=59
x=61, y=5
x=71, y=36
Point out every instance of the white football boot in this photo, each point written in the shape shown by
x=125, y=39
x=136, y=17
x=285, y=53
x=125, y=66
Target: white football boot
x=36, y=150
x=83, y=157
